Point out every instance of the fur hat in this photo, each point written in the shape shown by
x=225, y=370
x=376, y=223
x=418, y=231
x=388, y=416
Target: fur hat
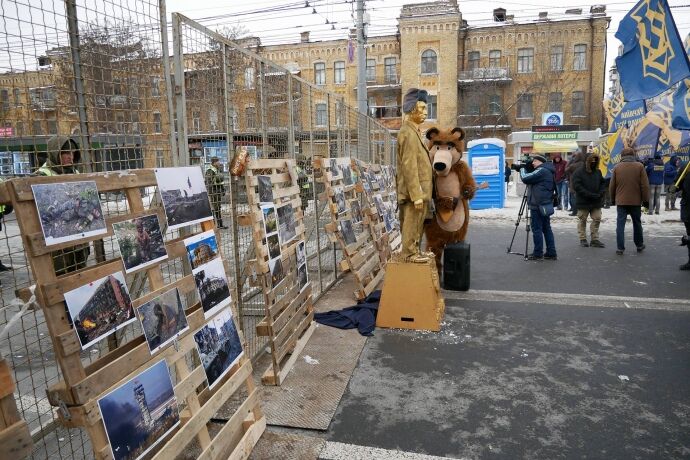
x=411, y=97
x=541, y=158
x=627, y=152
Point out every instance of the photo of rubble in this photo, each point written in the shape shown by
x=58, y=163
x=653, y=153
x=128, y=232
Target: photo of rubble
x=347, y=232
x=335, y=170
x=273, y=243
x=140, y=241
x=339, y=197
x=139, y=413
x=162, y=319
x=265, y=189
x=286, y=223
x=356, y=210
x=300, y=253
x=270, y=221
x=219, y=346
x=69, y=211
x=100, y=308
x=212, y=285
x=277, y=272
x=184, y=196
x=302, y=276
x=347, y=175
x=201, y=248
x=380, y=208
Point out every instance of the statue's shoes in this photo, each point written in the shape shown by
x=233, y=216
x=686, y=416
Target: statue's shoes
x=418, y=259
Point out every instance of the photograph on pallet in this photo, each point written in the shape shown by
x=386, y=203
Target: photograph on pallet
x=286, y=223
x=301, y=264
x=201, y=248
x=140, y=241
x=212, y=285
x=139, y=413
x=219, y=346
x=162, y=320
x=100, y=308
x=69, y=211
x=184, y=195
x=265, y=189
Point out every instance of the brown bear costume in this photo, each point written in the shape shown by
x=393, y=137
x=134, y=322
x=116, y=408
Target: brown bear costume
x=454, y=186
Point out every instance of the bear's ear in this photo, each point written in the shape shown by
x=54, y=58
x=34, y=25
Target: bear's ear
x=431, y=133
x=458, y=130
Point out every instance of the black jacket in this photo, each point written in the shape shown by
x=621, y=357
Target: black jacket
x=589, y=185
x=684, y=189
x=542, y=184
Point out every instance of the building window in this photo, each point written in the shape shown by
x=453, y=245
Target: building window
x=196, y=122
x=580, y=57
x=20, y=129
x=155, y=87
x=17, y=97
x=524, y=106
x=578, y=103
x=557, y=58
x=5, y=99
x=555, y=102
x=37, y=128
x=429, y=61
x=250, y=113
x=320, y=73
x=473, y=108
x=117, y=87
x=431, y=107
x=495, y=107
x=339, y=106
x=391, y=107
x=390, y=71
x=339, y=72
x=371, y=69
x=52, y=127
x=321, y=114
x=495, y=58
x=473, y=60
x=213, y=120
x=525, y=62
x=135, y=123
x=157, y=125
x=160, y=160
x=249, y=78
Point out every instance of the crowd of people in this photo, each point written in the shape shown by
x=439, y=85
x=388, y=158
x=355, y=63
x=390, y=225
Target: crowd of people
x=578, y=186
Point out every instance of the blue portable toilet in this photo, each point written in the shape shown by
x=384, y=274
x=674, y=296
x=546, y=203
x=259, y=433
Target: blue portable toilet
x=486, y=158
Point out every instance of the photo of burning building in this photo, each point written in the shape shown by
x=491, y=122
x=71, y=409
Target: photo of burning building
x=100, y=308
x=184, y=195
x=212, y=285
x=140, y=413
x=219, y=346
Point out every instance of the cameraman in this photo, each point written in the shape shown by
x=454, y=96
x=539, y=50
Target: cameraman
x=539, y=176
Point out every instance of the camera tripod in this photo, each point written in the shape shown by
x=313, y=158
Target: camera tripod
x=524, y=209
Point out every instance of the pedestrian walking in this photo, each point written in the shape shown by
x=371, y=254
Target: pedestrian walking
x=629, y=192
x=590, y=188
x=682, y=186
x=216, y=189
x=561, y=181
x=670, y=173
x=576, y=162
x=541, y=185
x=655, y=174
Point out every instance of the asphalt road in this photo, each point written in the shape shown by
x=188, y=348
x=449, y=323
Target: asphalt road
x=520, y=379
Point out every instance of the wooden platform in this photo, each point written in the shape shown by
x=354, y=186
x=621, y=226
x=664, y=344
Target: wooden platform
x=15, y=438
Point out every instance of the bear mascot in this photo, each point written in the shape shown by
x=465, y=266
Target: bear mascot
x=454, y=187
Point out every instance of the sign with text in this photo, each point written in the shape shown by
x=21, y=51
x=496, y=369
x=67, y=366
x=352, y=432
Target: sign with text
x=554, y=136
x=554, y=128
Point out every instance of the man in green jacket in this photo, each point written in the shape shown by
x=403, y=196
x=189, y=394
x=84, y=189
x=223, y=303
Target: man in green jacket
x=414, y=175
x=216, y=189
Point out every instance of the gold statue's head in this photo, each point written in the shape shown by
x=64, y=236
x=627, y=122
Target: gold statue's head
x=418, y=115
x=414, y=105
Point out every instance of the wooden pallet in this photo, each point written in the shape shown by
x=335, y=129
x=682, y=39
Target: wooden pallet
x=15, y=438
x=78, y=393
x=288, y=323
x=361, y=256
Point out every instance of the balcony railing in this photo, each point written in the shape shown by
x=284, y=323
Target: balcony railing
x=383, y=111
x=43, y=104
x=483, y=74
x=485, y=120
x=384, y=82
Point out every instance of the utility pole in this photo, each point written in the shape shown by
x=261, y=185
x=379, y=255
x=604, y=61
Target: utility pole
x=362, y=137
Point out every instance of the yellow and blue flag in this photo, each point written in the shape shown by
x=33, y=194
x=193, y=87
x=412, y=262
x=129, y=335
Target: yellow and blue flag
x=624, y=113
x=610, y=152
x=653, y=56
x=644, y=139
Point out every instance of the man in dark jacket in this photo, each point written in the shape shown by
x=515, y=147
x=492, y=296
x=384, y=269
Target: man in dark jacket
x=559, y=166
x=590, y=188
x=629, y=190
x=541, y=185
x=575, y=163
x=655, y=174
x=682, y=185
x=670, y=173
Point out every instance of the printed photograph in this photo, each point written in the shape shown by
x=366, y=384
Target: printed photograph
x=302, y=277
x=335, y=170
x=339, y=197
x=356, y=209
x=265, y=189
x=273, y=243
x=347, y=175
x=388, y=220
x=348, y=232
x=69, y=211
x=301, y=253
x=270, y=221
x=286, y=223
x=212, y=285
x=139, y=413
x=219, y=346
x=100, y=308
x=140, y=241
x=367, y=186
x=277, y=272
x=184, y=196
x=201, y=248
x=162, y=319
x=380, y=208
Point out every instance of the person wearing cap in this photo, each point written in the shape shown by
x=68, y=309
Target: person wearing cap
x=413, y=175
x=216, y=189
x=541, y=185
x=629, y=190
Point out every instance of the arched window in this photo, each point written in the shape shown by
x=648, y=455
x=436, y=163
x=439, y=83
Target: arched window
x=429, y=61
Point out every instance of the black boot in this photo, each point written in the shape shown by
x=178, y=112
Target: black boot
x=686, y=266
x=684, y=240
x=5, y=268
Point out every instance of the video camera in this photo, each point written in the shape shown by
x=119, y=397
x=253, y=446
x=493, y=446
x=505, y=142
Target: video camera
x=526, y=163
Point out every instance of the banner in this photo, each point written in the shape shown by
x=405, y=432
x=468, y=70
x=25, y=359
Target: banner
x=666, y=149
x=645, y=140
x=653, y=56
x=624, y=114
x=610, y=152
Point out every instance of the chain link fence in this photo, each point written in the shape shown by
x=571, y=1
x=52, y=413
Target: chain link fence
x=127, y=90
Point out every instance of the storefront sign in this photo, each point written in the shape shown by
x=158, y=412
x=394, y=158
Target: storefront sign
x=554, y=136
x=6, y=131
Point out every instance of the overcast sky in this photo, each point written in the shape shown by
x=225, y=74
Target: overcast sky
x=281, y=21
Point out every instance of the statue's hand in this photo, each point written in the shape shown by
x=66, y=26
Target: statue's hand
x=418, y=205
